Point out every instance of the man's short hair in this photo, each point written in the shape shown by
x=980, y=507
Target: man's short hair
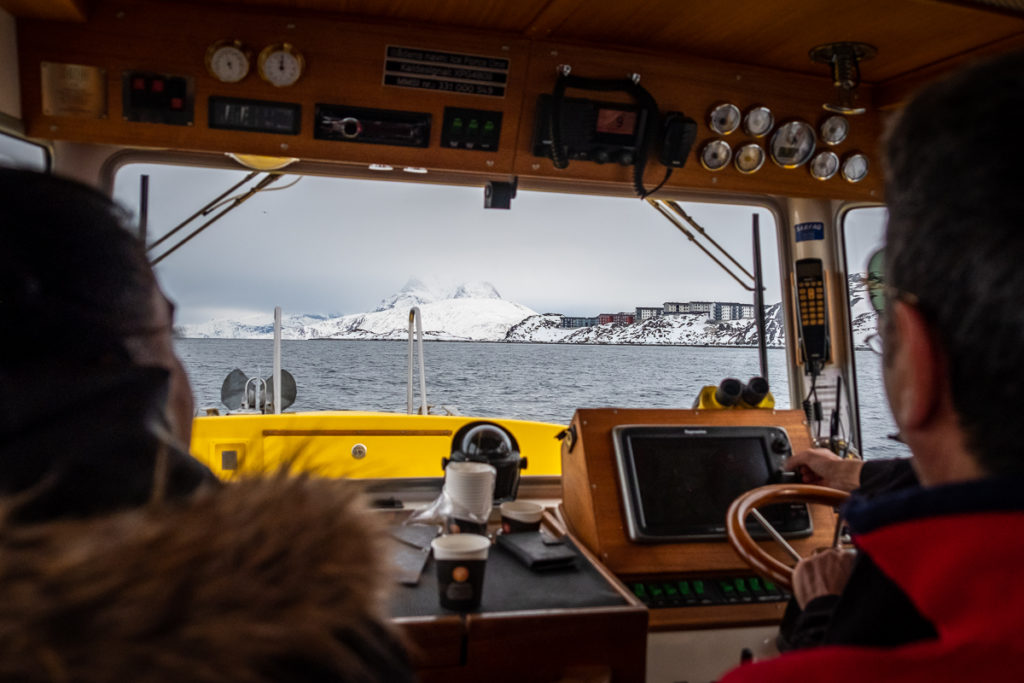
x=74, y=282
x=956, y=240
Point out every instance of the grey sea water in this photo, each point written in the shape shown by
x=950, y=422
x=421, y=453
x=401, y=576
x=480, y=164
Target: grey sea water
x=545, y=382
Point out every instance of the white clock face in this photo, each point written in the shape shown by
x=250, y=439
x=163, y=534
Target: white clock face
x=280, y=66
x=716, y=155
x=228, y=63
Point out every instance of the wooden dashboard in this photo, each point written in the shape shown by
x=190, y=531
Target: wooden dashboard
x=76, y=77
x=593, y=508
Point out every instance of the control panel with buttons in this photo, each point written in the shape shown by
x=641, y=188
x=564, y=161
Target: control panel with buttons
x=473, y=129
x=157, y=98
x=692, y=592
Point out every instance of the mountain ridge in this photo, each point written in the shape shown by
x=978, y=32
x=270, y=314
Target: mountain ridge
x=475, y=311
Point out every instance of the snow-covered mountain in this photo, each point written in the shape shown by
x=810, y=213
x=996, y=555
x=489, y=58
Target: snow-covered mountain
x=476, y=312
x=467, y=312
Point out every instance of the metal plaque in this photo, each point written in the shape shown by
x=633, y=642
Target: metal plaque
x=74, y=90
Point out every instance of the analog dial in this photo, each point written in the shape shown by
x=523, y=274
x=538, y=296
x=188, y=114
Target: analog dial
x=749, y=158
x=824, y=165
x=834, y=129
x=280, y=65
x=792, y=144
x=724, y=119
x=227, y=61
x=715, y=155
x=855, y=167
x=758, y=121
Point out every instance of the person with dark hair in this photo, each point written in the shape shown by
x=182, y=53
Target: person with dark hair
x=95, y=407
x=953, y=330
x=121, y=557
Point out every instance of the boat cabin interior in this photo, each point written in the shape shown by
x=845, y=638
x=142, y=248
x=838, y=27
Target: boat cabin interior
x=781, y=105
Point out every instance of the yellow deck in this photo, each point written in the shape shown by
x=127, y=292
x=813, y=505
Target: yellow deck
x=327, y=443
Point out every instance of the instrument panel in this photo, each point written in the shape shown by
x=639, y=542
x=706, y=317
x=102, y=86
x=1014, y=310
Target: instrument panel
x=205, y=78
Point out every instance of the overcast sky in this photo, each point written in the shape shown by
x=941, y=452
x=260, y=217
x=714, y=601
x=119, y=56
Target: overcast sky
x=340, y=246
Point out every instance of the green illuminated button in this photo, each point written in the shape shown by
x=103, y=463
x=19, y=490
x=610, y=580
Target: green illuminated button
x=474, y=125
x=655, y=590
x=698, y=587
x=670, y=590
x=769, y=586
x=489, y=126
x=639, y=590
x=727, y=587
x=741, y=585
x=755, y=585
x=456, y=123
x=684, y=587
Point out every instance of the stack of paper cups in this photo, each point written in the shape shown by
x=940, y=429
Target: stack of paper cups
x=470, y=485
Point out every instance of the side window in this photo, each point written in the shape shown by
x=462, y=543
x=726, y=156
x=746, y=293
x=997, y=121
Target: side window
x=863, y=233
x=17, y=152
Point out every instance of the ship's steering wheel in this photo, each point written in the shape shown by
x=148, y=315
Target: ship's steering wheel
x=747, y=548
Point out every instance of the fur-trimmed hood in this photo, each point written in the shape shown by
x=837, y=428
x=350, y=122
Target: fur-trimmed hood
x=275, y=579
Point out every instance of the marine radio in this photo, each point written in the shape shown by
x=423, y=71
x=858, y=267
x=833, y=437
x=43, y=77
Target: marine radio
x=578, y=129
x=602, y=132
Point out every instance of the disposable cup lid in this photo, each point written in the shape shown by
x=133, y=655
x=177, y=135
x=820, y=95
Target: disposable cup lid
x=470, y=468
x=461, y=547
x=522, y=511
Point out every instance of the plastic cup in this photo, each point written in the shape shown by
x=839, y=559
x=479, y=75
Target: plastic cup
x=460, y=560
x=470, y=485
x=520, y=515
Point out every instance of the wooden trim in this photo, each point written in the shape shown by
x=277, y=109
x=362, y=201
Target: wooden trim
x=893, y=93
x=53, y=10
x=357, y=432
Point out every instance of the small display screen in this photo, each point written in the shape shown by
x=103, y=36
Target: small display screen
x=678, y=482
x=616, y=122
x=686, y=487
x=257, y=116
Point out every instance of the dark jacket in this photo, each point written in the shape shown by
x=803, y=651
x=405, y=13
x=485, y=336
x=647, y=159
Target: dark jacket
x=75, y=444
x=954, y=552
x=872, y=610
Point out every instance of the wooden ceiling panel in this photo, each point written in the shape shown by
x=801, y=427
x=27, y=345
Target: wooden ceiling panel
x=54, y=10
x=909, y=34
x=495, y=15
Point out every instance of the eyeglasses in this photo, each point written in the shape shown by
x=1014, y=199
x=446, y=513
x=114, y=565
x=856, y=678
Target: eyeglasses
x=874, y=280
x=878, y=290
x=874, y=343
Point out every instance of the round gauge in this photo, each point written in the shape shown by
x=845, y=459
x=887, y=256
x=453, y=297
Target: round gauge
x=834, y=129
x=749, y=158
x=724, y=119
x=716, y=155
x=792, y=144
x=758, y=121
x=824, y=165
x=227, y=61
x=855, y=167
x=280, y=65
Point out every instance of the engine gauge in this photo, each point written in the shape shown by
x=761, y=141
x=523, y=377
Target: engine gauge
x=750, y=158
x=758, y=121
x=715, y=155
x=227, y=61
x=792, y=144
x=280, y=64
x=724, y=119
x=855, y=167
x=824, y=165
x=834, y=129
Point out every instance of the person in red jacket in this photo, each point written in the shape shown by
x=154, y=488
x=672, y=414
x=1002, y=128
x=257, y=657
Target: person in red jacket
x=953, y=333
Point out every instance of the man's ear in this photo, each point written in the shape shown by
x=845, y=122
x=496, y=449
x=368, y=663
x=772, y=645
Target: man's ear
x=916, y=368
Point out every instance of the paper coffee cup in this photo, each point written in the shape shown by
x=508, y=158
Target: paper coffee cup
x=470, y=485
x=520, y=515
x=461, y=560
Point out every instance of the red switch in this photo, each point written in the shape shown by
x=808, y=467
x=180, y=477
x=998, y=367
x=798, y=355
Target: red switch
x=157, y=85
x=138, y=83
x=177, y=103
